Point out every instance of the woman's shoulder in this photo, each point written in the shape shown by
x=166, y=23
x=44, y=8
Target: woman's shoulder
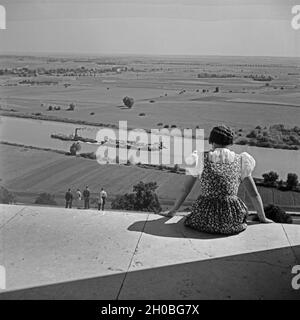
x=246, y=157
x=248, y=164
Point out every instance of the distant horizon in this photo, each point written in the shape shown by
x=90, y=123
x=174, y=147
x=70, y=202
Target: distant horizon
x=91, y=54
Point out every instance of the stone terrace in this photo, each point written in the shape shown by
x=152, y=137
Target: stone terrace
x=55, y=253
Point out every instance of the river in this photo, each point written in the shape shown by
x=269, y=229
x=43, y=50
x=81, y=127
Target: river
x=37, y=133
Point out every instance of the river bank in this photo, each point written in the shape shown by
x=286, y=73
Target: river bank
x=37, y=133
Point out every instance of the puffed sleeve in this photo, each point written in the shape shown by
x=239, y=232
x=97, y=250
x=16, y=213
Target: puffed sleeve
x=248, y=165
x=194, y=164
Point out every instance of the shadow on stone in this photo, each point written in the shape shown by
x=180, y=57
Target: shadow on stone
x=161, y=228
x=256, y=275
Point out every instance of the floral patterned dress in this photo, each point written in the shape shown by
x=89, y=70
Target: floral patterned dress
x=218, y=208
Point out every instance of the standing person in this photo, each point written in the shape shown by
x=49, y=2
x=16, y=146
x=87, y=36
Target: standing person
x=86, y=197
x=99, y=201
x=78, y=198
x=69, y=198
x=103, y=196
x=218, y=209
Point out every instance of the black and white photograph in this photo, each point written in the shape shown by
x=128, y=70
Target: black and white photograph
x=149, y=150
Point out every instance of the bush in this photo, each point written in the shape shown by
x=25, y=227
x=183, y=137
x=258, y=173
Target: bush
x=128, y=102
x=264, y=144
x=294, y=140
x=71, y=107
x=88, y=155
x=6, y=196
x=45, y=198
x=124, y=202
x=75, y=147
x=175, y=169
x=241, y=141
x=292, y=181
x=277, y=214
x=270, y=178
x=252, y=134
x=143, y=198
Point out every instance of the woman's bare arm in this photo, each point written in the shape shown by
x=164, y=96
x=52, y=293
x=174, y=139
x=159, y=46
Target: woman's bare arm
x=187, y=187
x=256, y=199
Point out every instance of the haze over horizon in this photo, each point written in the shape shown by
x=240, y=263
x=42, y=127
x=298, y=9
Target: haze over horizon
x=151, y=27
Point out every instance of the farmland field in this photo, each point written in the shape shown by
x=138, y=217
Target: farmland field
x=183, y=92
x=171, y=84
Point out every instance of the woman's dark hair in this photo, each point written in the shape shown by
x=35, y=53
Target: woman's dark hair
x=221, y=135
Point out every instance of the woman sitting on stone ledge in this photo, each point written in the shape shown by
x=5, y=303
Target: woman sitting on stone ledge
x=218, y=208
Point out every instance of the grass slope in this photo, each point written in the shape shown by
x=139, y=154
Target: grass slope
x=35, y=171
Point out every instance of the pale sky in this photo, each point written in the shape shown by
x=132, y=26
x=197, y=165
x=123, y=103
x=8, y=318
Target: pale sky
x=188, y=27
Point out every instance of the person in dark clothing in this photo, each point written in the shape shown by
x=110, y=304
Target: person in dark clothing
x=86, y=197
x=69, y=198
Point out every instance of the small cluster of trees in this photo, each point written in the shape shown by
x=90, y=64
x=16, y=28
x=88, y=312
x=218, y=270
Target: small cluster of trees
x=259, y=77
x=39, y=83
x=75, y=147
x=255, y=77
x=6, y=196
x=143, y=198
x=271, y=179
x=71, y=72
x=71, y=107
x=50, y=108
x=276, y=136
x=45, y=198
x=128, y=102
x=166, y=126
x=215, y=75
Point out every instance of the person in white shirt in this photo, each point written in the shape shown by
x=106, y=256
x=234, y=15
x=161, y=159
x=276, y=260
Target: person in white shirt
x=102, y=199
x=78, y=198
